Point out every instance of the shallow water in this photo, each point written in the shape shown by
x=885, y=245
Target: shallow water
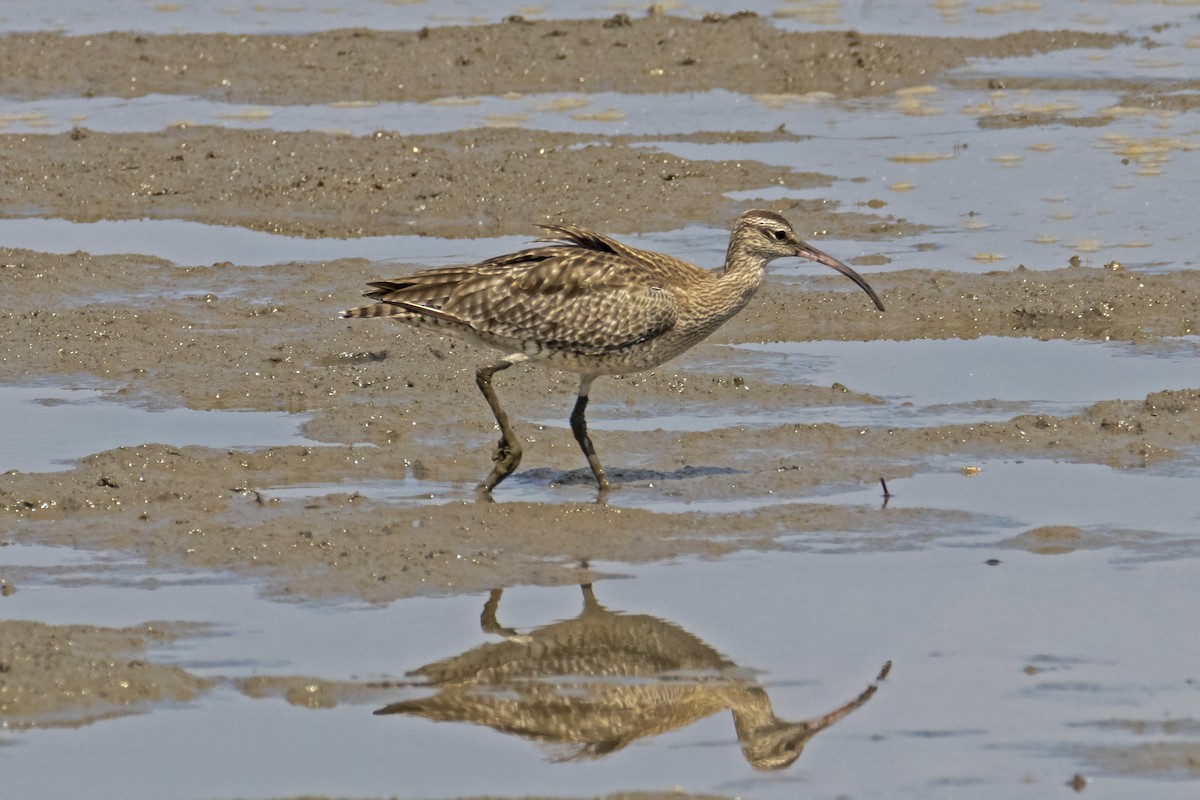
x=190, y=243
x=49, y=427
x=1023, y=196
x=639, y=114
x=1033, y=198
x=1069, y=374
x=956, y=17
x=1025, y=493
x=1034, y=493
x=1016, y=690
x=928, y=382
x=994, y=198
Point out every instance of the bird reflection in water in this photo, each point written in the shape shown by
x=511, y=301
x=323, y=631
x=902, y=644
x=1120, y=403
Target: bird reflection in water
x=591, y=685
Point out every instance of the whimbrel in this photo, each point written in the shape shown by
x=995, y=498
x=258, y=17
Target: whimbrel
x=586, y=303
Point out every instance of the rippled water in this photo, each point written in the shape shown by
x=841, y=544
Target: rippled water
x=1011, y=694
x=48, y=428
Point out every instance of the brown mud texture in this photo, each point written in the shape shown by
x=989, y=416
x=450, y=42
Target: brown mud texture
x=384, y=403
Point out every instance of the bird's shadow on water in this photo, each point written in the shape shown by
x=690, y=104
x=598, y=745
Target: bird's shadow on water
x=532, y=484
x=621, y=477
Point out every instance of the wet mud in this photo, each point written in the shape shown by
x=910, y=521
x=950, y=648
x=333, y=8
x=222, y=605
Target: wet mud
x=327, y=185
x=658, y=53
x=388, y=404
x=73, y=675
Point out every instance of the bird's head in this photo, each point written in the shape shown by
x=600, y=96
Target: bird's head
x=766, y=235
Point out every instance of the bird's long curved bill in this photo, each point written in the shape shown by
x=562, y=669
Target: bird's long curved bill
x=813, y=254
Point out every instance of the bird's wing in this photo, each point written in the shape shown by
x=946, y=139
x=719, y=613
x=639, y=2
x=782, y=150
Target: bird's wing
x=584, y=301
x=584, y=239
x=434, y=287
x=583, y=292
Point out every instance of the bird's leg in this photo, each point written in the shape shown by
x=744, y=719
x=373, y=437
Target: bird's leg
x=487, y=620
x=508, y=450
x=579, y=428
x=489, y=623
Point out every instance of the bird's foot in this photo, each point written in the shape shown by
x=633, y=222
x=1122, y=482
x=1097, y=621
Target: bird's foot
x=602, y=482
x=505, y=450
x=505, y=459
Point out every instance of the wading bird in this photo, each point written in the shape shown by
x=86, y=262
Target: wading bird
x=586, y=303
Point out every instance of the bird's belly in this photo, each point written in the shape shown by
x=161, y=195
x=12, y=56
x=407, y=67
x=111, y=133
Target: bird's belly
x=618, y=361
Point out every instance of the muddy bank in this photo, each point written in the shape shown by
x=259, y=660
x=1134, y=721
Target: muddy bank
x=742, y=53
x=468, y=183
x=72, y=675
x=199, y=508
x=389, y=404
x=233, y=337
x=392, y=403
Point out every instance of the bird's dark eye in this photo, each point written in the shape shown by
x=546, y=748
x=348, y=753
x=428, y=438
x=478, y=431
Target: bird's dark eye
x=779, y=235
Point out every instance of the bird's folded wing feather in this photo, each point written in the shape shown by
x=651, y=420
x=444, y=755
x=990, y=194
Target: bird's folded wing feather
x=588, y=294
x=584, y=302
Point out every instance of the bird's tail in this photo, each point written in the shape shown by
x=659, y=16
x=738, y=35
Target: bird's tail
x=407, y=311
x=374, y=310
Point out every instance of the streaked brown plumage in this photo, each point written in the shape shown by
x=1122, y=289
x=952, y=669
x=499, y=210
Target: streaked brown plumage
x=594, y=684
x=586, y=303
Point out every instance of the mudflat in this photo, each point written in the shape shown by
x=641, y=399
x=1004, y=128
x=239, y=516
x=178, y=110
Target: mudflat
x=388, y=403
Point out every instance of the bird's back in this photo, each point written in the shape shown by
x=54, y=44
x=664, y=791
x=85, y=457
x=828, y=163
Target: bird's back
x=582, y=293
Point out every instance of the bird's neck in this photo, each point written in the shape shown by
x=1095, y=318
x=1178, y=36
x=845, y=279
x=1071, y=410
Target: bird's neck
x=743, y=274
x=740, y=260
